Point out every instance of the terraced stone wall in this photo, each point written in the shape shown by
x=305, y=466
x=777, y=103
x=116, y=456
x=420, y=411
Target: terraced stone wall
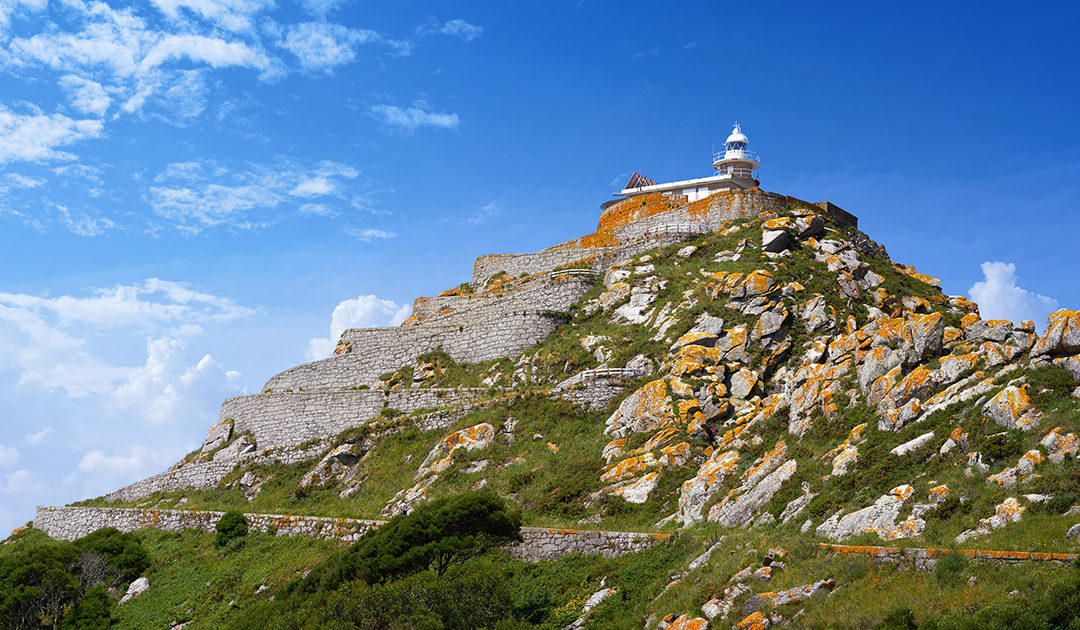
x=204, y=475
x=493, y=329
x=600, y=259
x=290, y=419
x=926, y=559
x=516, y=265
x=69, y=523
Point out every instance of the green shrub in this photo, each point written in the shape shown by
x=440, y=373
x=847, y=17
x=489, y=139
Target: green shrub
x=123, y=552
x=1002, y=446
x=901, y=618
x=950, y=568
x=93, y=612
x=435, y=535
x=233, y=525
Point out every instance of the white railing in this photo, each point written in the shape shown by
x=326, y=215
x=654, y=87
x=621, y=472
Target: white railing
x=736, y=155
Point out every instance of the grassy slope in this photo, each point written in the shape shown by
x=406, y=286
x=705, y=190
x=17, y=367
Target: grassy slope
x=549, y=485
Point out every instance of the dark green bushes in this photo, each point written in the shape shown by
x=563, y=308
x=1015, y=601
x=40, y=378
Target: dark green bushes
x=232, y=526
x=63, y=584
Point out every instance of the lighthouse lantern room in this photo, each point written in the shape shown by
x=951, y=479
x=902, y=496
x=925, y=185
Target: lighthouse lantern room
x=735, y=167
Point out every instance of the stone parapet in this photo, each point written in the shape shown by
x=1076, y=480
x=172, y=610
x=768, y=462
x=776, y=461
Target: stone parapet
x=70, y=523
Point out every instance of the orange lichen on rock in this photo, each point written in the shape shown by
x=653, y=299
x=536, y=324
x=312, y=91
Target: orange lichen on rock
x=755, y=621
x=629, y=467
x=684, y=623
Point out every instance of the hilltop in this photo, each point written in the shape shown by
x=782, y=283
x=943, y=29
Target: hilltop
x=746, y=373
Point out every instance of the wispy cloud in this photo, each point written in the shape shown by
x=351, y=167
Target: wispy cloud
x=234, y=15
x=462, y=30
x=412, y=118
x=193, y=196
x=485, y=214
x=322, y=46
x=35, y=137
x=369, y=234
x=39, y=437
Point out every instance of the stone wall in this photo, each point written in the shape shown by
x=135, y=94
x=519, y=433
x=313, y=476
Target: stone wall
x=69, y=523
x=494, y=329
x=516, y=265
x=926, y=559
x=292, y=418
x=204, y=475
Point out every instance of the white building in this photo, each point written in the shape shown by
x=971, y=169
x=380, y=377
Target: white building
x=734, y=166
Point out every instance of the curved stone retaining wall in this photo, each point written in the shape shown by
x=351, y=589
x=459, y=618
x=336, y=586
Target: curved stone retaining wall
x=205, y=475
x=69, y=523
x=495, y=328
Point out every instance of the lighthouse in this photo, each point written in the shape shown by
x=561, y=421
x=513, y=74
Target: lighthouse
x=735, y=160
x=735, y=167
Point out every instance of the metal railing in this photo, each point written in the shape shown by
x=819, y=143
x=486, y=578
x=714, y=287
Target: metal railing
x=736, y=155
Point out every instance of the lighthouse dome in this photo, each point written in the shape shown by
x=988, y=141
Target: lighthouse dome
x=736, y=136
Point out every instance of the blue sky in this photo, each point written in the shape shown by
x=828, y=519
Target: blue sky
x=195, y=195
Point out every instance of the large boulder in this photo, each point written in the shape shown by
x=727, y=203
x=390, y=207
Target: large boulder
x=1012, y=409
x=647, y=409
x=219, y=435
x=240, y=446
x=441, y=455
x=1062, y=334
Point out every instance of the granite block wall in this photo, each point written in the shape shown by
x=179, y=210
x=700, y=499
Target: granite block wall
x=494, y=329
x=70, y=523
x=292, y=418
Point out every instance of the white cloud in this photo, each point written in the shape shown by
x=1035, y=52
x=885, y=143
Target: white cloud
x=165, y=389
x=197, y=195
x=316, y=209
x=234, y=15
x=127, y=305
x=485, y=214
x=39, y=437
x=312, y=187
x=46, y=338
x=35, y=137
x=8, y=7
x=368, y=234
x=214, y=51
x=83, y=224
x=414, y=117
x=319, y=8
x=86, y=95
x=365, y=311
x=462, y=30
x=138, y=461
x=20, y=482
x=9, y=455
x=21, y=181
x=320, y=46
x=999, y=296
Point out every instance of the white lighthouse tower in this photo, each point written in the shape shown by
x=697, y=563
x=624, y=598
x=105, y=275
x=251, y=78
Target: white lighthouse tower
x=735, y=160
x=734, y=166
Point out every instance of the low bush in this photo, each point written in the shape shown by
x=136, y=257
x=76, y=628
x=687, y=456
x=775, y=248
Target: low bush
x=233, y=525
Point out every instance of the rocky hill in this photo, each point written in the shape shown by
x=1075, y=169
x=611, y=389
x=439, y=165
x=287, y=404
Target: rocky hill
x=748, y=362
